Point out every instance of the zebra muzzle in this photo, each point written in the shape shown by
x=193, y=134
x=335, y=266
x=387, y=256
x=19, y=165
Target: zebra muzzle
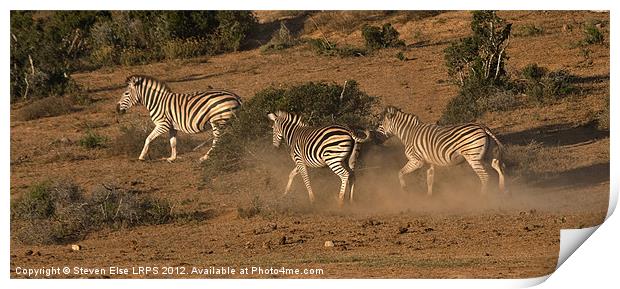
x=118, y=109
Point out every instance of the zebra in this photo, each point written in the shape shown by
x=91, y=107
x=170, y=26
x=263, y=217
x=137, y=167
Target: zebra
x=442, y=146
x=188, y=112
x=333, y=146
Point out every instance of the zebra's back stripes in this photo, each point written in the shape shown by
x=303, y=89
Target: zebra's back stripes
x=443, y=146
x=333, y=146
x=171, y=112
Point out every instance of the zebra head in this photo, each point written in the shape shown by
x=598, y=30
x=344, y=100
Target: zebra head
x=130, y=96
x=283, y=123
x=386, y=127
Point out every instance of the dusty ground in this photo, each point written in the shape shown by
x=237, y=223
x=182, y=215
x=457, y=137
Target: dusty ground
x=386, y=233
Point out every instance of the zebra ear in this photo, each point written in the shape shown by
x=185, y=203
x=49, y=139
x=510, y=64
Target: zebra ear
x=271, y=116
x=390, y=111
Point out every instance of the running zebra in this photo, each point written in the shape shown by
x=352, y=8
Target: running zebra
x=443, y=146
x=188, y=112
x=334, y=146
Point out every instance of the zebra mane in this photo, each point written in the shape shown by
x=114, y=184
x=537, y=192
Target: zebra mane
x=291, y=116
x=391, y=111
x=140, y=79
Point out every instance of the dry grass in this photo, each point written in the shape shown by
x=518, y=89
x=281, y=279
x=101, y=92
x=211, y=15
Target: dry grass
x=46, y=107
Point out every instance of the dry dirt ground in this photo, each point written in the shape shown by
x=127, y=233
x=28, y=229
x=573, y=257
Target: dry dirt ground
x=386, y=233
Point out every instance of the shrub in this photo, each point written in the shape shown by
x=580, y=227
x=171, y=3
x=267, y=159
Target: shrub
x=323, y=47
x=59, y=212
x=482, y=55
x=45, y=50
x=185, y=48
x=280, y=40
x=530, y=30
x=593, y=35
x=233, y=26
x=543, y=86
x=401, y=56
x=386, y=36
x=47, y=107
x=92, y=140
x=319, y=103
x=464, y=107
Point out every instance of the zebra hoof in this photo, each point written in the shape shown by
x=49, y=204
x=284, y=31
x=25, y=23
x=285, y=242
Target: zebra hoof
x=170, y=160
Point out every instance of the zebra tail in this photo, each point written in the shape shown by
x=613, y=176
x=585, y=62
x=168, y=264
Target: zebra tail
x=361, y=140
x=502, y=149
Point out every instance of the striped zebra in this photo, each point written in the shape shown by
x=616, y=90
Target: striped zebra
x=188, y=112
x=333, y=146
x=443, y=146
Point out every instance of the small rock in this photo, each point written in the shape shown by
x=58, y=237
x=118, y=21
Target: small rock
x=37, y=253
x=429, y=229
x=29, y=253
x=487, y=254
x=403, y=230
x=329, y=244
x=75, y=247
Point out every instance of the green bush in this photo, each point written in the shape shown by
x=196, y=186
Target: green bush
x=482, y=55
x=319, y=103
x=323, y=47
x=92, y=140
x=281, y=39
x=386, y=36
x=60, y=212
x=593, y=35
x=542, y=85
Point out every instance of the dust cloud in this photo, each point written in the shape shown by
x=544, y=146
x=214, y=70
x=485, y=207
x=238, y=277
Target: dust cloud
x=377, y=190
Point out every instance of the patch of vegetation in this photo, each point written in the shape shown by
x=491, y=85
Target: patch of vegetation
x=529, y=30
x=319, y=103
x=280, y=40
x=477, y=64
x=47, y=107
x=543, y=86
x=60, y=212
x=384, y=37
x=253, y=209
x=47, y=48
x=401, y=56
x=93, y=140
x=592, y=34
x=481, y=56
x=324, y=47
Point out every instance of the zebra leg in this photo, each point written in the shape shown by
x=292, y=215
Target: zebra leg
x=341, y=171
x=301, y=168
x=216, y=137
x=291, y=176
x=173, y=145
x=478, y=167
x=157, y=131
x=495, y=163
x=352, y=161
x=430, y=173
x=411, y=166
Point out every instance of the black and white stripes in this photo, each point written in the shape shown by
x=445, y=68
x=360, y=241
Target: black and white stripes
x=333, y=146
x=171, y=112
x=443, y=146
